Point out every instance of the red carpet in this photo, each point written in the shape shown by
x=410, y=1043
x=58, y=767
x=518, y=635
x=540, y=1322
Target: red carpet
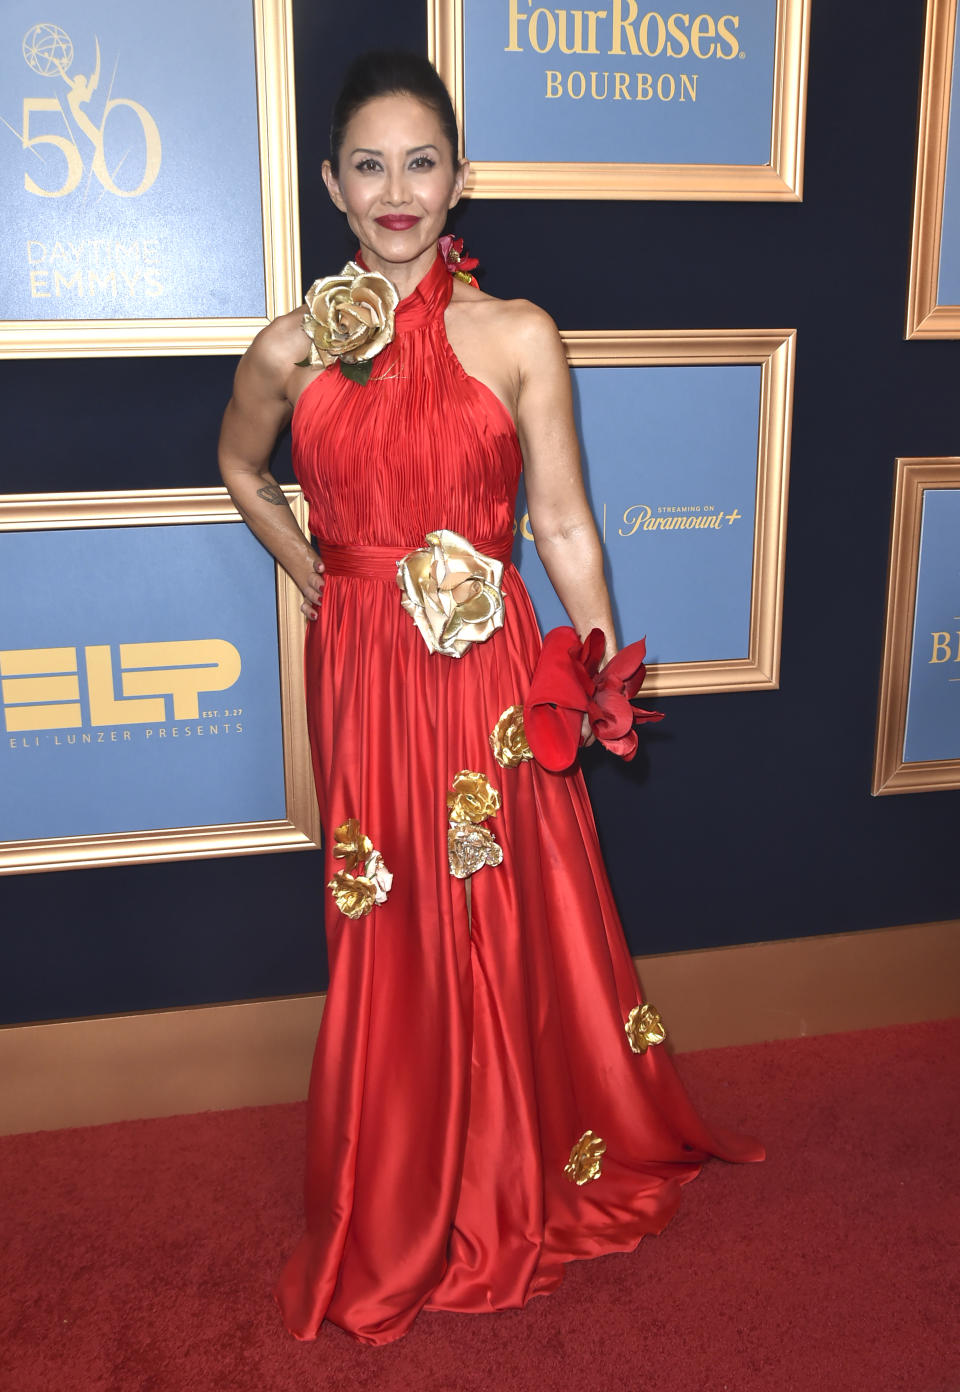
x=141, y=1256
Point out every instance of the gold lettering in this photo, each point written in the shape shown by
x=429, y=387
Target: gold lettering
x=577, y=45
x=723, y=32
x=514, y=28
x=533, y=31
x=35, y=694
x=189, y=667
x=598, y=96
x=941, y=643
x=703, y=26
x=525, y=531
x=104, y=707
x=72, y=281
x=592, y=17
x=554, y=88
x=664, y=92
x=107, y=281
x=621, y=26
x=620, y=80
x=676, y=32
x=74, y=167
x=689, y=85
x=152, y=153
x=644, y=33
x=644, y=86
x=633, y=517
x=38, y=280
x=583, y=85
x=31, y=259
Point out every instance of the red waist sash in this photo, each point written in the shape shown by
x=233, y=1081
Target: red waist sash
x=380, y=562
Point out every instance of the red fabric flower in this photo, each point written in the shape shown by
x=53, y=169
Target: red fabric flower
x=457, y=263
x=568, y=683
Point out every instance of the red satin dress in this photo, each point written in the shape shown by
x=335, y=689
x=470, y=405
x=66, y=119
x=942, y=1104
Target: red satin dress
x=460, y=1058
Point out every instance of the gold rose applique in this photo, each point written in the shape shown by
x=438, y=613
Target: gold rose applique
x=357, y=894
x=644, y=1027
x=350, y=320
x=508, y=739
x=350, y=844
x=471, y=846
x=452, y=593
x=472, y=798
x=584, y=1162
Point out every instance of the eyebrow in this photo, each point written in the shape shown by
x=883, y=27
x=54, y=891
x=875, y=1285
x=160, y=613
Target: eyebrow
x=365, y=150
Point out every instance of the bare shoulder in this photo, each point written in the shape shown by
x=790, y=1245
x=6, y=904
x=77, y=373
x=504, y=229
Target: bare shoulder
x=274, y=344
x=271, y=365
x=525, y=326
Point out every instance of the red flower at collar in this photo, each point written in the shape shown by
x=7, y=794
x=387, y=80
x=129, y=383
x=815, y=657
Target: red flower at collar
x=458, y=264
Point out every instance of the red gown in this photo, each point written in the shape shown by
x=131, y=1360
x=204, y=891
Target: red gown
x=459, y=1059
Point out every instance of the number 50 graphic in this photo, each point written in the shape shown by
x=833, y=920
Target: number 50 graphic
x=48, y=51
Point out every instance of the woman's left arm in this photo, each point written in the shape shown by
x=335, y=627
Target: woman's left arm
x=563, y=528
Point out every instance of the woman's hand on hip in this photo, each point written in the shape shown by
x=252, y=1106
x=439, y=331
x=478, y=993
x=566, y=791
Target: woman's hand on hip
x=311, y=586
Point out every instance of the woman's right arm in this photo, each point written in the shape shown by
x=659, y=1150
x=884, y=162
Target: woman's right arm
x=257, y=412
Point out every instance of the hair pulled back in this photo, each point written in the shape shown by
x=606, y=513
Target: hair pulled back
x=384, y=73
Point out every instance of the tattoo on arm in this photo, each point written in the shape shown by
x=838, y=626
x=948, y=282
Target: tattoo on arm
x=272, y=493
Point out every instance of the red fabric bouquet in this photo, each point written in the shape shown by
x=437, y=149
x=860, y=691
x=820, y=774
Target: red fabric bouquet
x=568, y=683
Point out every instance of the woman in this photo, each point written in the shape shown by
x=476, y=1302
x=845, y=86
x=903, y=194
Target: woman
x=489, y=1098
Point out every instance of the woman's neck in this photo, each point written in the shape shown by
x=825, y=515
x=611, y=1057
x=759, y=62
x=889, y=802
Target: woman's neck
x=405, y=275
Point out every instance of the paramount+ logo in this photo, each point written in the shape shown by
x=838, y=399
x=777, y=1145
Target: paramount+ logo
x=157, y=681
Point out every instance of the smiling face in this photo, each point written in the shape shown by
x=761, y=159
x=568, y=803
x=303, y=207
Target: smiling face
x=397, y=181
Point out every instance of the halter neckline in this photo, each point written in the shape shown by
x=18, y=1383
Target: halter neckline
x=427, y=301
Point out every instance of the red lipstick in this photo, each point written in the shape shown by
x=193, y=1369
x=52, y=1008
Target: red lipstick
x=397, y=222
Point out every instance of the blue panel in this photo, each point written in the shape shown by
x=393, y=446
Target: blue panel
x=670, y=460
x=625, y=84
x=933, y=707
x=113, y=761
x=168, y=107
x=948, y=289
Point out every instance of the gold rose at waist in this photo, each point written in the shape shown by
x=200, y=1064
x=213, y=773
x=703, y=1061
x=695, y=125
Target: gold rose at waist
x=452, y=592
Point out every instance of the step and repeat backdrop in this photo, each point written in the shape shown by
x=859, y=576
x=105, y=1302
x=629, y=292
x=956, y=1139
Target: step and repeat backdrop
x=150, y=653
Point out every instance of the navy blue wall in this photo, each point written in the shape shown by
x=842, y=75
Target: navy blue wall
x=746, y=816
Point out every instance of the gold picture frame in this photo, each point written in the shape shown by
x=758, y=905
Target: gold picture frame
x=926, y=318
x=774, y=350
x=299, y=829
x=276, y=118
x=780, y=180
x=891, y=772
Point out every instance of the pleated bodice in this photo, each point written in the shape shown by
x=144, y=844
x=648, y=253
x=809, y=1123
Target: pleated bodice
x=422, y=445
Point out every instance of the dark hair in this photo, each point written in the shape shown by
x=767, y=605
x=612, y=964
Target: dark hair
x=387, y=72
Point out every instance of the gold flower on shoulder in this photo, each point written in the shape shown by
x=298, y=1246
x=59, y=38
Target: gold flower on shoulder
x=508, y=739
x=470, y=848
x=351, y=316
x=472, y=798
x=452, y=592
x=584, y=1162
x=644, y=1027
